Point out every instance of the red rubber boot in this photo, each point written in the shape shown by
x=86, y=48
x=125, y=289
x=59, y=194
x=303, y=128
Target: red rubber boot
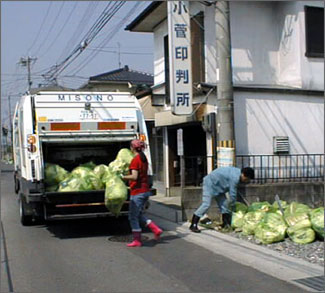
x=155, y=229
x=136, y=239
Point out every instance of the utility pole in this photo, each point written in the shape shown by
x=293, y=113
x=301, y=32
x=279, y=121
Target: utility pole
x=10, y=123
x=119, y=55
x=225, y=103
x=27, y=62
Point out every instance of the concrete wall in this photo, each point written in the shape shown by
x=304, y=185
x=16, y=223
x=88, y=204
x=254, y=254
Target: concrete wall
x=261, y=56
x=311, y=194
x=261, y=115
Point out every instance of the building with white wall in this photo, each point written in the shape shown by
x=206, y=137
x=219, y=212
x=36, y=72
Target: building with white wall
x=278, y=77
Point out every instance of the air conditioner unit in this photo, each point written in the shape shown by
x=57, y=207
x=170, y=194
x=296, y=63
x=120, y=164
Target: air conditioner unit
x=281, y=145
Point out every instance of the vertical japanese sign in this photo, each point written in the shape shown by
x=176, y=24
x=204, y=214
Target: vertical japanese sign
x=180, y=62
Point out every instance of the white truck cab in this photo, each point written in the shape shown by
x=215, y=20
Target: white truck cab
x=69, y=129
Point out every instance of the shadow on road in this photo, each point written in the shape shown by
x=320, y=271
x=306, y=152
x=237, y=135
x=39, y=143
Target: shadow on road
x=66, y=229
x=84, y=228
x=165, y=239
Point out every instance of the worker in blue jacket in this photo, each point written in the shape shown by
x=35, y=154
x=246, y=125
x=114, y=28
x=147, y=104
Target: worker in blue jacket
x=216, y=185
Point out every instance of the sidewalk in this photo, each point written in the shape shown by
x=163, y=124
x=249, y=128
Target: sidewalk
x=301, y=273
x=168, y=208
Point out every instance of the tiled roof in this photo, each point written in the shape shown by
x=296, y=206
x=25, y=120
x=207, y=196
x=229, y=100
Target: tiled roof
x=124, y=75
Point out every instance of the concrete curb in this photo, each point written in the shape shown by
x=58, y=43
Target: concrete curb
x=270, y=262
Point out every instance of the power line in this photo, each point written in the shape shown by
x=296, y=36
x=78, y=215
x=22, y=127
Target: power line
x=107, y=14
x=51, y=28
x=107, y=39
x=80, y=27
x=130, y=53
x=41, y=26
x=63, y=26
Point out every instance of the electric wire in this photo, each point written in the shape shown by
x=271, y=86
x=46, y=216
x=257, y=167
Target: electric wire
x=109, y=37
x=51, y=28
x=41, y=27
x=126, y=53
x=55, y=70
x=62, y=28
x=80, y=27
x=99, y=24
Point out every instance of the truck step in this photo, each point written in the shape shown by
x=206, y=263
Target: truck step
x=82, y=216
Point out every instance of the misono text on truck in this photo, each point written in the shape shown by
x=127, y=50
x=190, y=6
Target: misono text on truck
x=69, y=129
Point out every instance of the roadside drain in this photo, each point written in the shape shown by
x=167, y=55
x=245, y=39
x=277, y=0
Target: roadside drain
x=316, y=283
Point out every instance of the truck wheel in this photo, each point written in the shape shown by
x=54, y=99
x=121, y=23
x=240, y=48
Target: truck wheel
x=25, y=220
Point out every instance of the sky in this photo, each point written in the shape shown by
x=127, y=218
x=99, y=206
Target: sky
x=49, y=31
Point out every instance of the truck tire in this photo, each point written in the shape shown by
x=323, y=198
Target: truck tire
x=25, y=220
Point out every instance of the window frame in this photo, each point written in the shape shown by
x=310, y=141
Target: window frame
x=310, y=50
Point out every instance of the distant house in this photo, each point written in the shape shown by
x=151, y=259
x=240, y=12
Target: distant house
x=120, y=80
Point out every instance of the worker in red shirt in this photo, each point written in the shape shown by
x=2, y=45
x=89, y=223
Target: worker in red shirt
x=139, y=193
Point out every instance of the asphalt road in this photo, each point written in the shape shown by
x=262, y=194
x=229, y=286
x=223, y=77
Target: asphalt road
x=76, y=256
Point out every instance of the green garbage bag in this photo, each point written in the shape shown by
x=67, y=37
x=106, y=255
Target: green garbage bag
x=260, y=206
x=296, y=218
x=271, y=229
x=299, y=230
x=251, y=220
x=81, y=171
x=283, y=203
x=240, y=207
x=115, y=194
x=100, y=170
x=119, y=167
x=237, y=219
x=125, y=155
x=90, y=165
x=107, y=176
x=302, y=236
x=74, y=183
x=268, y=234
x=93, y=181
x=317, y=221
x=52, y=188
x=296, y=207
x=54, y=174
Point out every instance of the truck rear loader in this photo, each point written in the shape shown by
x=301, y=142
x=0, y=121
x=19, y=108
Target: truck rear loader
x=70, y=129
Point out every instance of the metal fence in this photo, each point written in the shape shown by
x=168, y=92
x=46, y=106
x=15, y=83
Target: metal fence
x=284, y=168
x=268, y=168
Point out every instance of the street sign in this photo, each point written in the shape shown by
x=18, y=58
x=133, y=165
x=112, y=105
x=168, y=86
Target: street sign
x=179, y=35
x=180, y=146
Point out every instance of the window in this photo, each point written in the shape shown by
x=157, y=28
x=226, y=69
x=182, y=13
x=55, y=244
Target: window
x=197, y=40
x=314, y=23
x=166, y=69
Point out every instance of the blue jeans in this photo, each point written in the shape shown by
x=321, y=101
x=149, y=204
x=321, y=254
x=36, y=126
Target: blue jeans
x=222, y=203
x=136, y=216
x=209, y=192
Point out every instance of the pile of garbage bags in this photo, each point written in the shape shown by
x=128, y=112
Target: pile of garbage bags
x=269, y=224
x=89, y=176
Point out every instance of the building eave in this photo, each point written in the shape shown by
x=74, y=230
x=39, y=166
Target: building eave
x=149, y=18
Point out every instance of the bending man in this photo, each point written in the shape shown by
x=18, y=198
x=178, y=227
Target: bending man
x=215, y=185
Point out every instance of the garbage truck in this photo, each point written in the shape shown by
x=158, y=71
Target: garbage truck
x=70, y=129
